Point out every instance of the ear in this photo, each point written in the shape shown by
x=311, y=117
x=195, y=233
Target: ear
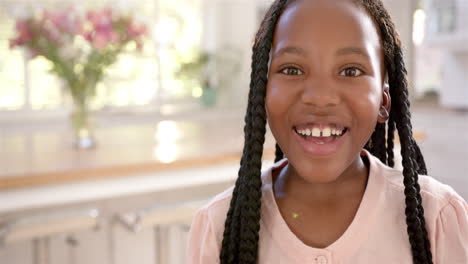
x=385, y=107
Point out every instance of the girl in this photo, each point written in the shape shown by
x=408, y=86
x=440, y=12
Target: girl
x=329, y=77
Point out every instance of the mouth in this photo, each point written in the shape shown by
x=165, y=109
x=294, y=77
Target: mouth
x=321, y=139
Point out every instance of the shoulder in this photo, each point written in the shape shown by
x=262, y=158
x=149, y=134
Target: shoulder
x=205, y=234
x=436, y=196
x=433, y=192
x=212, y=216
x=446, y=214
x=217, y=208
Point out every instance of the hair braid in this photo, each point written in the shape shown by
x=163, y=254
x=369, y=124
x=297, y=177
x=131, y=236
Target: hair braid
x=414, y=213
x=378, y=142
x=230, y=243
x=240, y=238
x=250, y=220
x=390, y=139
x=401, y=118
x=419, y=160
x=427, y=243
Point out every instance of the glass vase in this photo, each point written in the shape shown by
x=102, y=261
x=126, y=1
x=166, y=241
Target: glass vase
x=209, y=96
x=82, y=121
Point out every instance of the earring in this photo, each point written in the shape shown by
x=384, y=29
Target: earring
x=383, y=113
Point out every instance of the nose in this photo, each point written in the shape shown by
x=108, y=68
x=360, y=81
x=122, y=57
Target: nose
x=320, y=93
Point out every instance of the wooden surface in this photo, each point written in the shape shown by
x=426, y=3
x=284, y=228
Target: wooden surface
x=36, y=157
x=46, y=156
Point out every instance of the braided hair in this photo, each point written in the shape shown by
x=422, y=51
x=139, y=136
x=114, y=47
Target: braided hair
x=241, y=231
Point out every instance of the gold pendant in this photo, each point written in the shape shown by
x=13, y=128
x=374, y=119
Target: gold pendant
x=295, y=216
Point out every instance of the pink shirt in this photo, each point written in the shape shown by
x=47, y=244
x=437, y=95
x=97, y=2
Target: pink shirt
x=377, y=233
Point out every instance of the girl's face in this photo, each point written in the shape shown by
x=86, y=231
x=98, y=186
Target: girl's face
x=325, y=78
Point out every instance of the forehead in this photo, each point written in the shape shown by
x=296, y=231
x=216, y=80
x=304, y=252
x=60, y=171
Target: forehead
x=318, y=24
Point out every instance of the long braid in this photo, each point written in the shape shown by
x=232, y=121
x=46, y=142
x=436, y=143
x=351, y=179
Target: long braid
x=250, y=220
x=410, y=174
x=419, y=160
x=232, y=226
x=421, y=170
x=378, y=141
x=230, y=244
x=240, y=238
x=401, y=118
x=412, y=147
x=427, y=243
x=390, y=139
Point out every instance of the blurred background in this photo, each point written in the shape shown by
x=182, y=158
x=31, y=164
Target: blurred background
x=119, y=118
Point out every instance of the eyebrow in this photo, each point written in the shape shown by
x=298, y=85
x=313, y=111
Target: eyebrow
x=340, y=52
x=291, y=50
x=352, y=51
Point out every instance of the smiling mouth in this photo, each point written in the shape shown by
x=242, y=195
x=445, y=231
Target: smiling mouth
x=321, y=135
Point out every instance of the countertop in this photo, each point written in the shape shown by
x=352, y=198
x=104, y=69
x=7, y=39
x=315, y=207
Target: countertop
x=45, y=156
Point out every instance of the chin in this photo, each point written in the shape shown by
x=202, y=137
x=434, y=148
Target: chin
x=317, y=173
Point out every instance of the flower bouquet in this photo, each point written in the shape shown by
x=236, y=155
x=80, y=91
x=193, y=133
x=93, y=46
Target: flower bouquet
x=80, y=47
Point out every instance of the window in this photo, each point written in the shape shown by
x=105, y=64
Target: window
x=145, y=79
x=12, y=95
x=445, y=20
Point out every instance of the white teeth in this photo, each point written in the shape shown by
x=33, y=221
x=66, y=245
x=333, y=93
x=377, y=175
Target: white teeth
x=316, y=132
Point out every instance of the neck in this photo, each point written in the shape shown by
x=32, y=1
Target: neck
x=352, y=182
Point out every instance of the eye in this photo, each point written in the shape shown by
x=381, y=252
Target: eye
x=291, y=71
x=351, y=72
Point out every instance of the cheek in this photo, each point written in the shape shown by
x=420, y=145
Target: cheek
x=369, y=115
x=364, y=103
x=365, y=98
x=276, y=101
x=370, y=104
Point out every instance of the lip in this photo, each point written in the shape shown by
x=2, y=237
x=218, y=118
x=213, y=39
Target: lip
x=321, y=123
x=315, y=149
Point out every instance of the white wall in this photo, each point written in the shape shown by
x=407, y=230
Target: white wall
x=453, y=45
x=402, y=14
x=454, y=92
x=231, y=23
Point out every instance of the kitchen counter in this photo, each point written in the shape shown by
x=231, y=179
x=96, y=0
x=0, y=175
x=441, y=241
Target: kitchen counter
x=37, y=157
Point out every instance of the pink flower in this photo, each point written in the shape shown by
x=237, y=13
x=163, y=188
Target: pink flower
x=49, y=31
x=103, y=31
x=24, y=33
x=134, y=30
x=88, y=35
x=58, y=28
x=100, y=19
x=65, y=21
x=101, y=39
